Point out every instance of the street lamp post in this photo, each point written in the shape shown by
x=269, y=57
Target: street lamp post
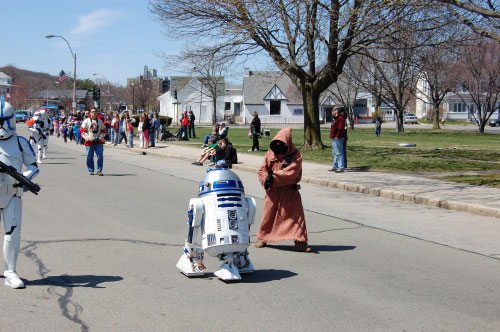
x=74, y=68
x=133, y=99
x=108, y=93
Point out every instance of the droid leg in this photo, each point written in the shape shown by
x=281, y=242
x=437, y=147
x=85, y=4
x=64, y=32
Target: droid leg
x=228, y=271
x=244, y=264
x=191, y=261
x=12, y=239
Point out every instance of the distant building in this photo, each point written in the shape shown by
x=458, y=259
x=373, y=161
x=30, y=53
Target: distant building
x=63, y=99
x=149, y=80
x=5, y=84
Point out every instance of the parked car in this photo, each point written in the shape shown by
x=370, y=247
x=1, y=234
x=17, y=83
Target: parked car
x=495, y=123
x=410, y=118
x=22, y=116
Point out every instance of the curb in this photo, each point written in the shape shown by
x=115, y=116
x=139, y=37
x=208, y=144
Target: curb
x=385, y=193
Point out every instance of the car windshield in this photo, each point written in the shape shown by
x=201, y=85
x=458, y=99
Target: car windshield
x=410, y=114
x=22, y=112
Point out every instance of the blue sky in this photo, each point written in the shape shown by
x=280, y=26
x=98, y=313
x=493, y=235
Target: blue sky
x=113, y=37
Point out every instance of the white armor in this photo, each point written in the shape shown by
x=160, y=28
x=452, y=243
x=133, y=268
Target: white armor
x=39, y=134
x=14, y=151
x=224, y=215
x=47, y=126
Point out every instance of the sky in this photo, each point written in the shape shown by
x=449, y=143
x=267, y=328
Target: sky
x=115, y=38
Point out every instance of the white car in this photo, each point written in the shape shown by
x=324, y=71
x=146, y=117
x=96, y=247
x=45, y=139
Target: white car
x=410, y=118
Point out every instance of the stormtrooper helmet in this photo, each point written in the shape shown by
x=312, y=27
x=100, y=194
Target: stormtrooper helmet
x=43, y=114
x=7, y=121
x=37, y=116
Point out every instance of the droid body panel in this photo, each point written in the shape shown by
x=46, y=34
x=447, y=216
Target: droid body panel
x=223, y=215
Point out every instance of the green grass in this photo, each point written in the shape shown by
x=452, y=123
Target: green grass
x=436, y=151
x=490, y=180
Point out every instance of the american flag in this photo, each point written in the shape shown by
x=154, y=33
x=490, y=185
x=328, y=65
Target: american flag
x=62, y=76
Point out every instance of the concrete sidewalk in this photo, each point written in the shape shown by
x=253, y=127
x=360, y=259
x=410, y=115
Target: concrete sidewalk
x=409, y=188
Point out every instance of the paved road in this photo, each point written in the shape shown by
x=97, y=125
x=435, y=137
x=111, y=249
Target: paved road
x=99, y=254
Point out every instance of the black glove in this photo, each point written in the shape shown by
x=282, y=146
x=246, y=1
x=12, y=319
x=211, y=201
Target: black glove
x=269, y=180
x=96, y=140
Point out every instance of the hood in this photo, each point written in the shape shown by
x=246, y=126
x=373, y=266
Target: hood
x=285, y=135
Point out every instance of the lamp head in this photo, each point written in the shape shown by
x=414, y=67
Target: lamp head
x=49, y=36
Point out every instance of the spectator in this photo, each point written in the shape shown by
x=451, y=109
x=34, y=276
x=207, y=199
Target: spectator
x=57, y=125
x=255, y=131
x=207, y=152
x=343, y=110
x=123, y=128
x=152, y=130
x=215, y=132
x=130, y=131
x=191, y=124
x=146, y=126
x=76, y=132
x=337, y=135
x=93, y=131
x=283, y=214
x=378, y=125
x=226, y=155
x=184, y=126
x=115, y=123
x=107, y=124
x=155, y=126
x=222, y=131
x=141, y=131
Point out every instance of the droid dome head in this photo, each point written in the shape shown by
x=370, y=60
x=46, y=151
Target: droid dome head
x=7, y=121
x=220, y=181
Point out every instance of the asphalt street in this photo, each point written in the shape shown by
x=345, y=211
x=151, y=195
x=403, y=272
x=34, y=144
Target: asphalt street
x=99, y=254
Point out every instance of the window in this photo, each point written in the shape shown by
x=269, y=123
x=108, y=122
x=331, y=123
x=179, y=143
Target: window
x=275, y=107
x=227, y=106
x=459, y=108
x=298, y=111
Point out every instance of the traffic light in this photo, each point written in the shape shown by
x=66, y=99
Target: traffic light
x=175, y=94
x=94, y=93
x=98, y=94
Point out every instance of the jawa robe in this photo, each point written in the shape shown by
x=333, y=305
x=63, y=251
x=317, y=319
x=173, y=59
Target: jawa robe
x=283, y=214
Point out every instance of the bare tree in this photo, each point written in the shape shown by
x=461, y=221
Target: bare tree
x=309, y=40
x=347, y=87
x=481, y=16
x=478, y=74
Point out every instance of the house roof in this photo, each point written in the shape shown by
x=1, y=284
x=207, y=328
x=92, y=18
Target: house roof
x=258, y=84
x=4, y=75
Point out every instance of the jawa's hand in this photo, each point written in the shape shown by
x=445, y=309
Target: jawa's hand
x=269, y=180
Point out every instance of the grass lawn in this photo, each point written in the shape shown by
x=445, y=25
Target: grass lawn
x=490, y=180
x=435, y=151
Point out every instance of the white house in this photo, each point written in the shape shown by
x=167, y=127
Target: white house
x=5, y=84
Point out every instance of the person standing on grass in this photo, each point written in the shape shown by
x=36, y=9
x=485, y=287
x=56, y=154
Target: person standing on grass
x=337, y=135
x=93, y=130
x=255, y=131
x=378, y=125
x=191, y=124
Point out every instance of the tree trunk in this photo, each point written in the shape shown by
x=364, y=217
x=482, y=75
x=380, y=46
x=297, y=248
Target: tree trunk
x=400, y=122
x=435, y=121
x=214, y=114
x=482, y=124
x=312, y=133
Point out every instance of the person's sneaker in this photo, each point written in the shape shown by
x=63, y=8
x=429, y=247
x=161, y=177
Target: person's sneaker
x=332, y=170
x=99, y=173
x=13, y=280
x=260, y=244
x=91, y=173
x=211, y=164
x=339, y=171
x=302, y=246
x=251, y=150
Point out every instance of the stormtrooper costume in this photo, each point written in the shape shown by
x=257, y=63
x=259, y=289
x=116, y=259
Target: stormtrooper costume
x=14, y=151
x=38, y=136
x=47, y=127
x=224, y=215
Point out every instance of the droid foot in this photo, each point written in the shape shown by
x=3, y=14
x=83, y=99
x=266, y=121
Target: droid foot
x=228, y=272
x=247, y=269
x=13, y=280
x=189, y=268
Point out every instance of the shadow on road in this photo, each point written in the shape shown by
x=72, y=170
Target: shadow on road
x=73, y=281
x=315, y=248
x=119, y=174
x=49, y=163
x=266, y=275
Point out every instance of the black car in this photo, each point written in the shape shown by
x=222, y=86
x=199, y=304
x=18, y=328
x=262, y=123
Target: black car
x=495, y=123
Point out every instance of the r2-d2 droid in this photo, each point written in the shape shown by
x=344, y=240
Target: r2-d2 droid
x=224, y=215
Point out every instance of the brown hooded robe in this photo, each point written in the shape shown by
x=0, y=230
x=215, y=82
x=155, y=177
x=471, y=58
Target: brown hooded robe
x=283, y=214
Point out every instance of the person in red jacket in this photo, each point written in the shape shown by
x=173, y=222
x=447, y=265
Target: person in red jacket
x=337, y=135
x=93, y=131
x=185, y=125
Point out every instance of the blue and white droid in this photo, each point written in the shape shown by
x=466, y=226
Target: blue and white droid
x=224, y=215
